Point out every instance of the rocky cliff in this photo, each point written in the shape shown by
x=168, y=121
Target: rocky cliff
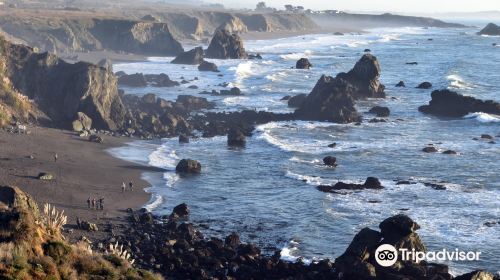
x=63, y=34
x=60, y=89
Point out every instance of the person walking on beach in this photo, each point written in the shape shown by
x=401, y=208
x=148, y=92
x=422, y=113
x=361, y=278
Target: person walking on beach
x=101, y=203
x=131, y=186
x=123, y=187
x=88, y=202
x=55, y=157
x=93, y=203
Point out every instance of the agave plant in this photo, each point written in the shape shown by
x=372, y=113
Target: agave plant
x=53, y=219
x=117, y=250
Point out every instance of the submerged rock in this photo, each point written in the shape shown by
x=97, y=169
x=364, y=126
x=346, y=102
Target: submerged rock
x=451, y=104
x=208, y=66
x=370, y=183
x=380, y=111
x=225, y=45
x=424, y=85
x=429, y=149
x=192, y=57
x=303, y=63
x=330, y=161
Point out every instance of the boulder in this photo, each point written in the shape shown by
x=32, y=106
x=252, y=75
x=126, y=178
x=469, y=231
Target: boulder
x=225, y=45
x=398, y=226
x=303, y=63
x=188, y=166
x=163, y=80
x=330, y=161
x=192, y=57
x=180, y=211
x=429, y=149
x=149, y=98
x=447, y=103
x=235, y=137
x=96, y=139
x=297, y=100
x=235, y=91
x=85, y=225
x=232, y=240
x=183, y=138
x=491, y=29
x=133, y=80
x=45, y=176
x=354, y=262
x=192, y=103
x=208, y=66
x=380, y=111
x=450, y=152
x=254, y=56
x=401, y=84
x=486, y=136
x=424, y=85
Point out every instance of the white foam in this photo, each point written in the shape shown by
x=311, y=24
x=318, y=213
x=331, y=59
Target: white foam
x=310, y=180
x=483, y=117
x=458, y=82
x=243, y=70
x=289, y=253
x=278, y=76
x=155, y=201
x=297, y=56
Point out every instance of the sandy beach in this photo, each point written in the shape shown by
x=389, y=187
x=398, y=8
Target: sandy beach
x=82, y=169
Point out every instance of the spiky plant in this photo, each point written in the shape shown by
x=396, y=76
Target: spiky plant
x=117, y=250
x=53, y=220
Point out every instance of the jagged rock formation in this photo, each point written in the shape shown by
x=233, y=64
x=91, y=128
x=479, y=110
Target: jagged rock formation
x=193, y=57
x=491, y=29
x=447, y=103
x=332, y=99
x=61, y=90
x=225, y=45
x=303, y=63
x=63, y=34
x=234, y=25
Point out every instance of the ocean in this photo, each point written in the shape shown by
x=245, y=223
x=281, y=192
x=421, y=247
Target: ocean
x=267, y=191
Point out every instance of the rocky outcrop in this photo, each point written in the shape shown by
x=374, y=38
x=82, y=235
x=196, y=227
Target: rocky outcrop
x=332, y=99
x=61, y=90
x=491, y=29
x=225, y=45
x=193, y=57
x=380, y=111
x=188, y=166
x=424, y=85
x=236, y=137
x=370, y=183
x=297, y=100
x=447, y=103
x=208, y=66
x=303, y=63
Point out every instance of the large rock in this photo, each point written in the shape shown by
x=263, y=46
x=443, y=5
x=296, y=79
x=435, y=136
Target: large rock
x=303, y=63
x=235, y=137
x=451, y=104
x=162, y=80
x=424, y=85
x=188, y=166
x=82, y=122
x=297, y=100
x=490, y=29
x=208, y=66
x=398, y=226
x=370, y=183
x=225, y=45
x=18, y=210
x=380, y=111
x=354, y=261
x=193, y=57
x=133, y=80
x=192, y=103
x=61, y=89
x=332, y=99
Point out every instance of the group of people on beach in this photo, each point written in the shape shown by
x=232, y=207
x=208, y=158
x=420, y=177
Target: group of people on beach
x=95, y=204
x=130, y=186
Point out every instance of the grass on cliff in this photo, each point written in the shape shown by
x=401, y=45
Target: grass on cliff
x=29, y=251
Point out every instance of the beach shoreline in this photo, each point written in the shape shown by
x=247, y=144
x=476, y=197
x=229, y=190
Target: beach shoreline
x=83, y=169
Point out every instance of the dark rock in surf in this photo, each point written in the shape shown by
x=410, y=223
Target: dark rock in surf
x=286, y=98
x=424, y=85
x=162, y=80
x=235, y=137
x=449, y=152
x=353, y=263
x=188, y=166
x=370, y=183
x=183, y=138
x=333, y=145
x=133, y=80
x=297, y=100
x=225, y=45
x=447, y=103
x=429, y=149
x=254, y=56
x=208, y=66
x=192, y=57
x=380, y=111
x=401, y=84
x=235, y=91
x=491, y=29
x=303, y=63
x=486, y=136
x=367, y=50
x=412, y=63
x=330, y=161
x=180, y=211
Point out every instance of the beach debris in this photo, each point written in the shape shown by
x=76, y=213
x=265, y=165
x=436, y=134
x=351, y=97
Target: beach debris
x=45, y=176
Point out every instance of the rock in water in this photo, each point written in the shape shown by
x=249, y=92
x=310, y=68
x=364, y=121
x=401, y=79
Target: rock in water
x=380, y=111
x=180, y=211
x=429, y=150
x=425, y=85
x=447, y=103
x=332, y=99
x=188, y=166
x=303, y=63
x=401, y=84
x=235, y=137
x=183, y=138
x=330, y=161
x=208, y=66
x=163, y=80
x=192, y=57
x=133, y=80
x=297, y=100
x=225, y=45
x=370, y=183
x=491, y=29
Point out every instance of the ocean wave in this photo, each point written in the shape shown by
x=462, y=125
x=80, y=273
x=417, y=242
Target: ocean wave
x=289, y=253
x=278, y=76
x=297, y=56
x=299, y=160
x=243, y=70
x=483, y=117
x=308, y=179
x=155, y=201
x=458, y=82
x=163, y=157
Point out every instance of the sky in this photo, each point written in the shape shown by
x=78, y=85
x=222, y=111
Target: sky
x=400, y=6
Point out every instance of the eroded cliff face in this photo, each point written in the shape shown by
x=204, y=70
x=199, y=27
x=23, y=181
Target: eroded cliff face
x=65, y=34
x=60, y=89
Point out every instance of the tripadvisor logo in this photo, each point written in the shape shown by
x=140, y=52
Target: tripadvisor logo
x=387, y=255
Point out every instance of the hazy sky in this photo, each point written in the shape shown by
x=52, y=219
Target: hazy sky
x=406, y=6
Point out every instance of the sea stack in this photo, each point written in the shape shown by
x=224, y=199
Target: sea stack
x=225, y=45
